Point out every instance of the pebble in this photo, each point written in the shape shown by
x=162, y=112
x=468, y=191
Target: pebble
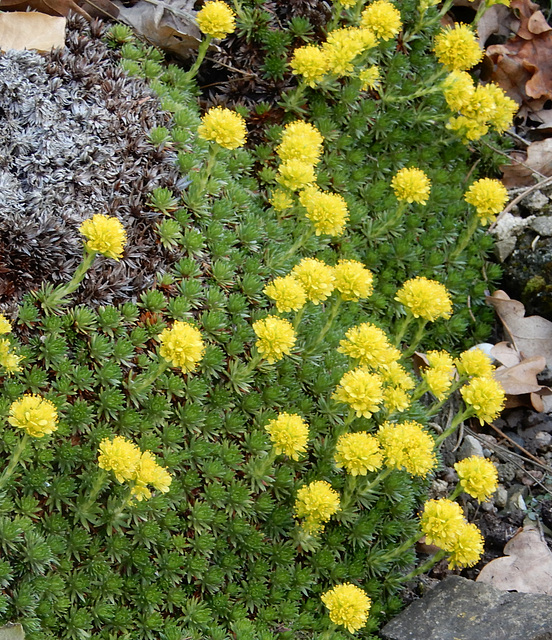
x=470, y=447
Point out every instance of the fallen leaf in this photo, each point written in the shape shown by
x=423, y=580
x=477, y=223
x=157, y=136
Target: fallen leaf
x=531, y=18
x=522, y=377
x=532, y=336
x=526, y=566
x=169, y=25
x=538, y=157
x=497, y=20
x=506, y=354
x=31, y=30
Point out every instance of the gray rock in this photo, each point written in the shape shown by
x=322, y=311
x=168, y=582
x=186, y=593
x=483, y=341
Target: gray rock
x=501, y=496
x=542, y=440
x=470, y=447
x=542, y=225
x=460, y=609
x=536, y=202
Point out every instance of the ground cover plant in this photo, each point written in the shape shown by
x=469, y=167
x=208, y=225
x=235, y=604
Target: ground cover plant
x=243, y=451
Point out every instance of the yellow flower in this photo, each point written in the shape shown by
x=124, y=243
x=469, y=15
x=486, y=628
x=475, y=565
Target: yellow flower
x=300, y=141
x=395, y=374
x=106, y=235
x=439, y=374
x=287, y=292
x=9, y=360
x=353, y=280
x=370, y=346
x=478, y=477
x=327, y=211
x=382, y=18
x=369, y=78
x=467, y=548
x=486, y=396
x=458, y=88
x=182, y=346
x=425, y=299
x=276, y=338
x=317, y=278
x=311, y=63
x=361, y=390
x=120, y=456
x=289, y=434
x=216, y=19
x=36, y=415
x=223, y=126
x=5, y=325
x=295, y=174
x=148, y=471
x=457, y=48
x=395, y=399
x=281, y=200
x=343, y=46
x=348, y=606
x=504, y=108
x=411, y=185
x=358, y=453
x=441, y=522
x=316, y=502
x=468, y=128
x=474, y=362
x=488, y=196
x=407, y=445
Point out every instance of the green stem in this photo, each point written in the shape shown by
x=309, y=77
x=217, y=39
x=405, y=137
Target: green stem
x=434, y=88
x=350, y=485
x=417, y=338
x=16, y=455
x=377, y=480
x=392, y=221
x=401, y=328
x=458, y=418
x=426, y=566
x=405, y=546
x=329, y=633
x=333, y=313
x=98, y=484
x=214, y=148
x=336, y=15
x=151, y=377
x=436, y=407
x=299, y=316
x=253, y=363
x=301, y=240
x=473, y=224
x=201, y=53
x=457, y=491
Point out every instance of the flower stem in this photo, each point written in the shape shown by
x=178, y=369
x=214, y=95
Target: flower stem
x=458, y=418
x=201, y=53
x=97, y=486
x=301, y=240
x=253, y=363
x=473, y=224
x=401, y=328
x=336, y=15
x=405, y=546
x=298, y=317
x=214, y=148
x=333, y=313
x=151, y=377
x=426, y=566
x=417, y=338
x=392, y=221
x=16, y=455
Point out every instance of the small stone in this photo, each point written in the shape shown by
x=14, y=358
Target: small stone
x=542, y=440
x=501, y=496
x=439, y=487
x=542, y=225
x=470, y=447
x=458, y=608
x=536, y=202
x=516, y=498
x=506, y=232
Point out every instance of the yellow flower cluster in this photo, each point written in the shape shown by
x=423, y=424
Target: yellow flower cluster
x=296, y=174
x=439, y=374
x=287, y=292
x=128, y=463
x=425, y=299
x=289, y=434
x=348, y=606
x=300, y=141
x=216, y=19
x=369, y=345
x=276, y=338
x=105, y=235
x=327, y=211
x=344, y=45
x=358, y=453
x=353, y=280
x=311, y=63
x=485, y=396
x=444, y=525
x=316, y=502
x=361, y=390
x=488, y=196
x=281, y=200
x=36, y=415
x=369, y=78
x=478, y=107
x=317, y=278
x=382, y=18
x=474, y=362
x=411, y=185
x=223, y=126
x=8, y=359
x=478, y=477
x=182, y=346
x=5, y=325
x=408, y=446
x=457, y=48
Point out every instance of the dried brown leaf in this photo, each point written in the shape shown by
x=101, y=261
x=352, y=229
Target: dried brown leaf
x=31, y=30
x=538, y=157
x=522, y=377
x=526, y=566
